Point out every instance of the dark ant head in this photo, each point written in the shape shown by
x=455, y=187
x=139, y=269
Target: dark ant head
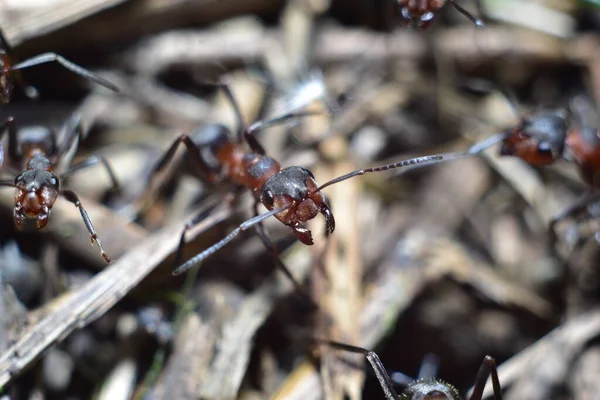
x=430, y=390
x=419, y=14
x=35, y=194
x=539, y=139
x=296, y=187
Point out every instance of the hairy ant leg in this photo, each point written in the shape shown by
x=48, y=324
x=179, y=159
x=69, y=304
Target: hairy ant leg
x=72, y=197
x=71, y=66
x=197, y=259
x=274, y=253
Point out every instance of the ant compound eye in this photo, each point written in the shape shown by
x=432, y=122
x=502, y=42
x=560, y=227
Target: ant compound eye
x=54, y=182
x=267, y=198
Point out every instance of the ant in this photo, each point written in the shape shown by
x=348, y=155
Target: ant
x=290, y=194
x=9, y=71
x=423, y=389
x=37, y=153
x=548, y=135
x=420, y=14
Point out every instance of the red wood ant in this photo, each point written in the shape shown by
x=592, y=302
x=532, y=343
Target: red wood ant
x=36, y=188
x=290, y=194
x=423, y=389
x=421, y=13
x=9, y=71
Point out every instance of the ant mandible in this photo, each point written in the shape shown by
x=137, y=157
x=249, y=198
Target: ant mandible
x=9, y=71
x=36, y=188
x=423, y=389
x=421, y=13
x=290, y=194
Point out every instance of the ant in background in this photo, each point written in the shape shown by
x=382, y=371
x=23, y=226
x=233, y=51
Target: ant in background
x=423, y=389
x=37, y=154
x=290, y=194
x=547, y=135
x=9, y=71
x=420, y=14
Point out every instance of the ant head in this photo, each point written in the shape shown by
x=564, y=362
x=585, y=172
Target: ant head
x=419, y=14
x=296, y=187
x=430, y=390
x=539, y=139
x=35, y=194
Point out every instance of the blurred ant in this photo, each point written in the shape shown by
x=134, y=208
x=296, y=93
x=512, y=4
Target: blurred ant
x=547, y=135
x=9, y=71
x=37, y=154
x=423, y=389
x=420, y=14
x=290, y=194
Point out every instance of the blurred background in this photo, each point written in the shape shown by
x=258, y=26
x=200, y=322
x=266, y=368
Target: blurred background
x=445, y=263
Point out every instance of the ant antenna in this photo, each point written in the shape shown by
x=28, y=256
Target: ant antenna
x=215, y=247
x=53, y=57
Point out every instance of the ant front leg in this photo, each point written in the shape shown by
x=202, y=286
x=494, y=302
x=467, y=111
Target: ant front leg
x=72, y=197
x=373, y=359
x=93, y=160
x=260, y=231
x=488, y=366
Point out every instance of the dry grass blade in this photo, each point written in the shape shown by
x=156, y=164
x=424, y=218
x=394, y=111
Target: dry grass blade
x=95, y=297
x=537, y=371
x=235, y=344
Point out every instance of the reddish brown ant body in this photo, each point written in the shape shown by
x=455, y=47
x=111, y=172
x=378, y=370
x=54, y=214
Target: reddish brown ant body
x=421, y=13
x=423, y=389
x=9, y=71
x=37, y=154
x=290, y=194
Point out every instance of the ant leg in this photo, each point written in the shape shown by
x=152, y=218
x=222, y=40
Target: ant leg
x=260, y=125
x=72, y=197
x=467, y=14
x=197, y=259
x=224, y=85
x=196, y=219
x=93, y=160
x=260, y=231
x=191, y=148
x=488, y=366
x=53, y=57
x=580, y=205
x=10, y=126
x=376, y=364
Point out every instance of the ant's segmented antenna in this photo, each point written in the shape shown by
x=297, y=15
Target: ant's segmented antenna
x=53, y=57
x=404, y=163
x=215, y=247
x=478, y=22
